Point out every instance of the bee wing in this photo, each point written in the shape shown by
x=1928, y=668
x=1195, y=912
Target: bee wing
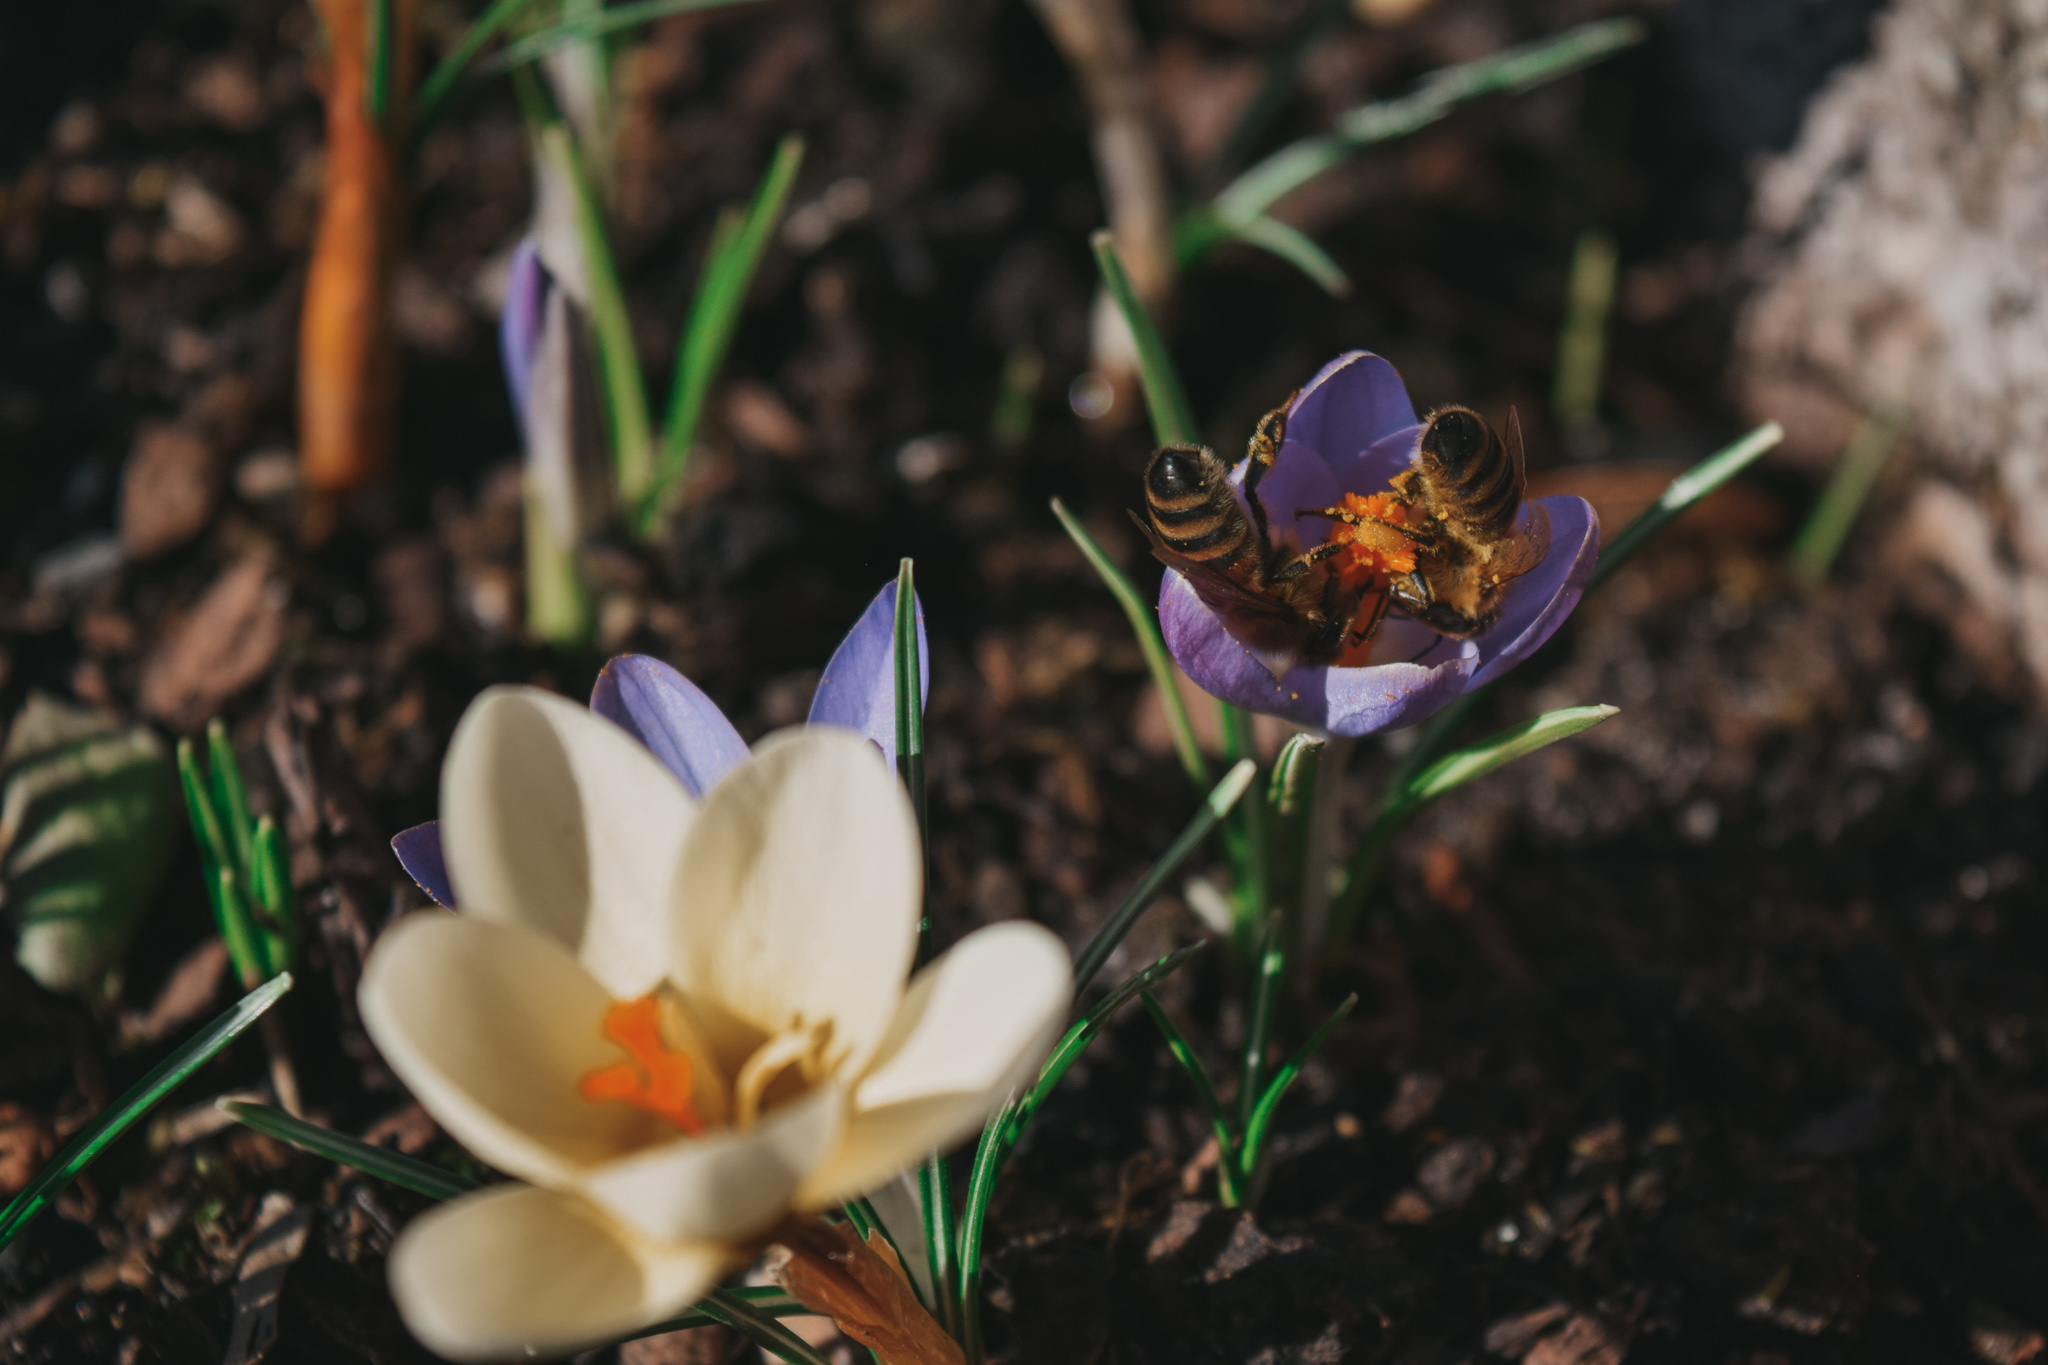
x=1218, y=592
x=1525, y=548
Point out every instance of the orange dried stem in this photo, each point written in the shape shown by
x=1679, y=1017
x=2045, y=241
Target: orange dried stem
x=658, y=1079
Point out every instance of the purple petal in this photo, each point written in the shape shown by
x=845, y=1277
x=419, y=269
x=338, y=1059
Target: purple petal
x=671, y=716
x=419, y=853
x=1538, y=602
x=527, y=286
x=858, y=690
x=1354, y=404
x=1343, y=701
x=1372, y=469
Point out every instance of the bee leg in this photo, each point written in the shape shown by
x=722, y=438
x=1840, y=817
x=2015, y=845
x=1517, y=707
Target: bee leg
x=1303, y=562
x=1379, y=614
x=1263, y=449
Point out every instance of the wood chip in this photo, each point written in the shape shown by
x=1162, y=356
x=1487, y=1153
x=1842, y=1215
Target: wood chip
x=168, y=489
x=228, y=641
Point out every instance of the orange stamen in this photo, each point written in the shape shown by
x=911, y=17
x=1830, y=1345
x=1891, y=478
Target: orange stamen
x=1374, y=554
x=657, y=1080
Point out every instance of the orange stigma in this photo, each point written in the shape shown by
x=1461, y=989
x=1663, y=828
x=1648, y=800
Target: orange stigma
x=657, y=1080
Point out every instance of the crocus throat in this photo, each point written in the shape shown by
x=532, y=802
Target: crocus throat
x=657, y=1080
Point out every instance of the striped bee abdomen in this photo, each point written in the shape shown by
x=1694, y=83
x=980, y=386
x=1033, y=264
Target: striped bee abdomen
x=1191, y=506
x=1477, y=474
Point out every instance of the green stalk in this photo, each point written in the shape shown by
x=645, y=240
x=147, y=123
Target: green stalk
x=1272, y=965
x=1260, y=1123
x=1145, y=626
x=1290, y=797
x=1582, y=337
x=539, y=43
x=437, y=92
x=1173, y=417
x=722, y=1305
x=377, y=67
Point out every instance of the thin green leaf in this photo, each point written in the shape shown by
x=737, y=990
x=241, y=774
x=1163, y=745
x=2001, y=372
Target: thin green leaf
x=396, y=1167
x=437, y=92
x=539, y=43
x=1261, y=1121
x=1003, y=1130
x=1145, y=626
x=1244, y=839
x=230, y=796
x=1212, y=1103
x=1173, y=417
x=1416, y=792
x=206, y=822
x=625, y=391
x=1455, y=770
x=238, y=929
x=142, y=1097
x=1827, y=526
x=1516, y=69
x=1283, y=68
x=1218, y=803
x=1582, y=335
x=767, y=1299
x=760, y=1327
x=1685, y=490
x=935, y=1195
x=377, y=60
x=1258, y=1029
x=737, y=247
x=1298, y=249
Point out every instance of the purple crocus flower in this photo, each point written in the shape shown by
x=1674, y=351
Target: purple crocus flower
x=683, y=728
x=1351, y=430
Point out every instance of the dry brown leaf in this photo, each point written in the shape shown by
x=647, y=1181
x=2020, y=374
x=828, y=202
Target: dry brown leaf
x=831, y=1271
x=227, y=642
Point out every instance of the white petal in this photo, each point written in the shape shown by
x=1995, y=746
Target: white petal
x=517, y=1271
x=491, y=1026
x=729, y=1184
x=974, y=1026
x=556, y=819
x=797, y=894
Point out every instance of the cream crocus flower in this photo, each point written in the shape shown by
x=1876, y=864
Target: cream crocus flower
x=674, y=1023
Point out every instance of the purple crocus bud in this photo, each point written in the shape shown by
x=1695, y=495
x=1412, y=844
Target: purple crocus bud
x=419, y=853
x=1352, y=430
x=527, y=286
x=858, y=690
x=672, y=717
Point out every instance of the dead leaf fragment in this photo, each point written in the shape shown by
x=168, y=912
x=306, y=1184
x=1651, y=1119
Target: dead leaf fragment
x=26, y=1142
x=831, y=1271
x=1584, y=1340
x=227, y=642
x=1452, y=1174
x=168, y=489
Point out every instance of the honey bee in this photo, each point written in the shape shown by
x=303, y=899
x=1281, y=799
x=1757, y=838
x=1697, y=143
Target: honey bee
x=1287, y=606
x=1458, y=509
x=1439, y=546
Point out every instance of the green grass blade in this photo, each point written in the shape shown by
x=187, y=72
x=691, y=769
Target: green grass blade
x=1415, y=793
x=238, y=929
x=910, y=714
x=766, y=1299
x=729, y=267
x=377, y=64
x=1290, y=796
x=206, y=822
x=1455, y=770
x=1145, y=626
x=1298, y=249
x=437, y=92
x=142, y=1097
x=1582, y=336
x=1685, y=490
x=1258, y=1029
x=1827, y=526
x=1514, y=70
x=1244, y=838
x=1212, y=1103
x=1261, y=1120
x=1283, y=69
x=625, y=391
x=230, y=796
x=760, y=1327
x=396, y=1167
x=539, y=43
x=935, y=1195
x=1173, y=417
x=1214, y=807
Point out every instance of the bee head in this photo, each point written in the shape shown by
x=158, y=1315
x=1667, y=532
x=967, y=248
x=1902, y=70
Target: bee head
x=1177, y=475
x=1456, y=437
